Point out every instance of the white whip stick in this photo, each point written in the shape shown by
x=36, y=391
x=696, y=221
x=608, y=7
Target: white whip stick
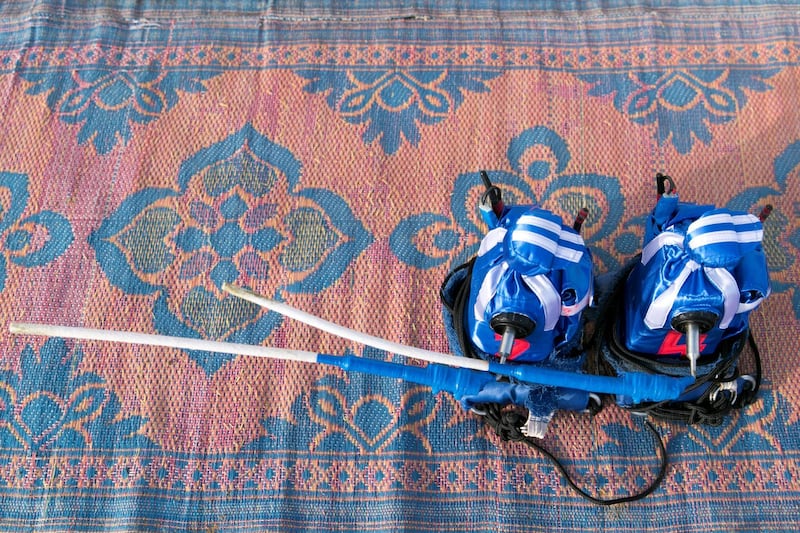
x=353, y=335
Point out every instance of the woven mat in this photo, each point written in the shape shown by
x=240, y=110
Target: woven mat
x=327, y=154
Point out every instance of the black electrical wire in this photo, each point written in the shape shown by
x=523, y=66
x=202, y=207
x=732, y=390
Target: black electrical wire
x=506, y=425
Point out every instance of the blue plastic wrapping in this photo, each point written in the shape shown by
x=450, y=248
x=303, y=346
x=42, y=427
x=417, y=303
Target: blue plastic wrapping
x=695, y=258
x=533, y=265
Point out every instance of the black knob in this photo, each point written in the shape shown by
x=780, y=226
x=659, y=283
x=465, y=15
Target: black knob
x=705, y=320
x=521, y=324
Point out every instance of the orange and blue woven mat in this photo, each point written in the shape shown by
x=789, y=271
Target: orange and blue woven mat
x=322, y=153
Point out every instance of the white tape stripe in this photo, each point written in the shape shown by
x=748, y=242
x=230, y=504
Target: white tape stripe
x=722, y=218
x=667, y=238
x=710, y=220
x=562, y=252
x=659, y=310
x=571, y=237
x=548, y=297
x=534, y=238
x=492, y=239
x=488, y=289
x=727, y=285
x=741, y=220
x=726, y=236
x=750, y=236
x=539, y=222
x=715, y=237
x=568, y=254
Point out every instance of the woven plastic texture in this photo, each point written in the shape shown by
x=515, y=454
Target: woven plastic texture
x=327, y=154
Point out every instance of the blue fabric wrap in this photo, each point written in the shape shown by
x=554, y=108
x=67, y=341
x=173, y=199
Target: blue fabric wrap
x=699, y=259
x=541, y=401
x=529, y=244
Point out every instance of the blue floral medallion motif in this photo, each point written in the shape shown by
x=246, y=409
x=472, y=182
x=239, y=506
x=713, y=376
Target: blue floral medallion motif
x=392, y=102
x=237, y=215
x=361, y=414
x=538, y=158
x=782, y=229
x=31, y=241
x=105, y=100
x=682, y=102
x=49, y=405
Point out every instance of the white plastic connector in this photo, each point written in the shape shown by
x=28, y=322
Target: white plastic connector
x=536, y=427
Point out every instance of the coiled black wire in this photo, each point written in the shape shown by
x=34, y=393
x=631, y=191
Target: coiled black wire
x=506, y=424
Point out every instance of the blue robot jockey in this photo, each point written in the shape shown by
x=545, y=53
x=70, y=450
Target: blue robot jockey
x=521, y=299
x=682, y=306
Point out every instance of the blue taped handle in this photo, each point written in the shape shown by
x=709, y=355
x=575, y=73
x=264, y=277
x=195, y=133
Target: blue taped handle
x=643, y=387
x=462, y=382
x=638, y=385
x=457, y=381
x=473, y=385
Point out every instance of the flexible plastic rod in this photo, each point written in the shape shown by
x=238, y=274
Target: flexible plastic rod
x=146, y=339
x=353, y=335
x=460, y=381
x=457, y=381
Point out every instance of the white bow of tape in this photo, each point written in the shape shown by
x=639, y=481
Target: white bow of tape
x=721, y=278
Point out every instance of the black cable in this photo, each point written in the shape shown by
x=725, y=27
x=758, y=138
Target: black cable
x=753, y=394
x=506, y=425
x=614, y=501
x=459, y=304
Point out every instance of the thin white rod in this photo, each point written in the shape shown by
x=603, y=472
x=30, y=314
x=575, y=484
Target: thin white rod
x=353, y=335
x=161, y=340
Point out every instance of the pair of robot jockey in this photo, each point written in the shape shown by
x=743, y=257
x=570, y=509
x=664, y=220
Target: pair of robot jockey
x=679, y=309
